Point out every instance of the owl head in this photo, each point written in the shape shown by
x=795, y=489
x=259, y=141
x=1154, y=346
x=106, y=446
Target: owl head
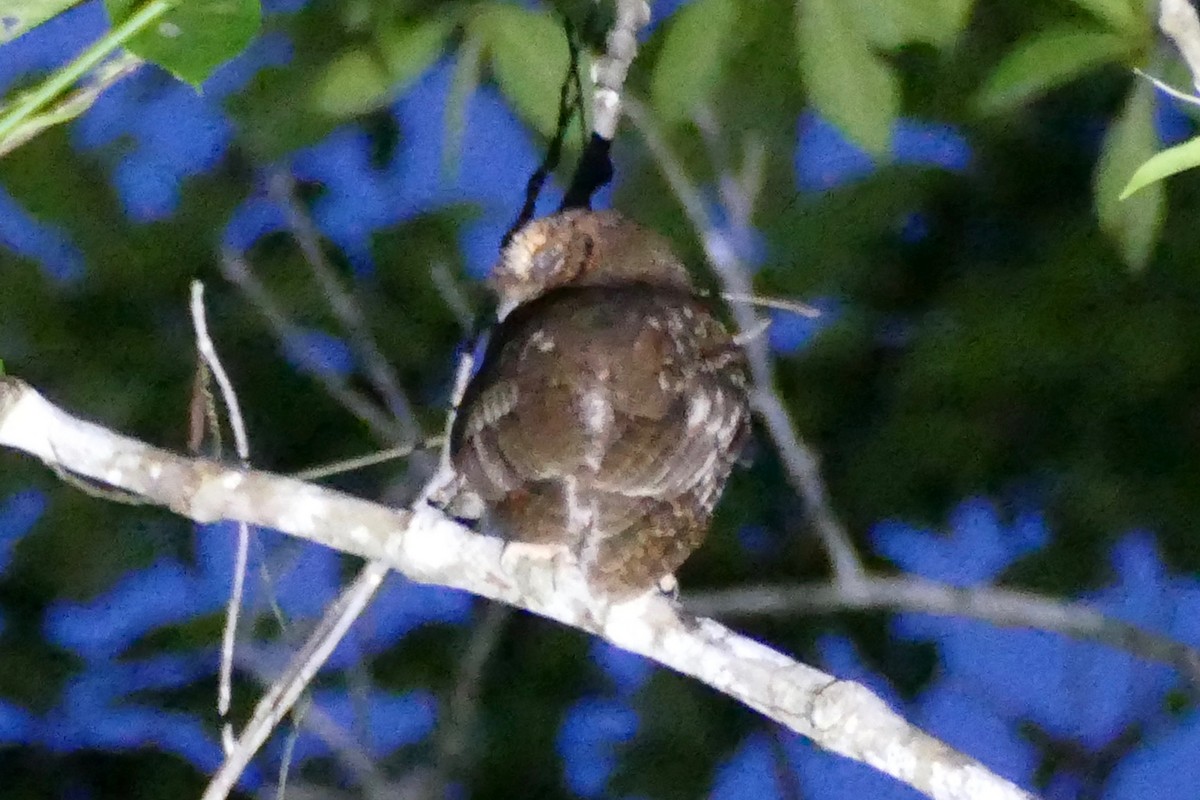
x=582, y=248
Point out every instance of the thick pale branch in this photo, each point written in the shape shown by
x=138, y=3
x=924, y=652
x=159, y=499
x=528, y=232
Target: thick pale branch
x=1005, y=607
x=611, y=69
x=426, y=546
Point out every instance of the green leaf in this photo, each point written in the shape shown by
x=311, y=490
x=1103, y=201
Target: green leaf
x=848, y=83
x=353, y=83
x=363, y=79
x=1163, y=165
x=271, y=122
x=693, y=52
x=20, y=16
x=1135, y=223
x=411, y=51
x=529, y=60
x=195, y=37
x=1125, y=16
x=891, y=24
x=1046, y=60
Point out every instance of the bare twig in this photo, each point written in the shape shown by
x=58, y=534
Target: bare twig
x=427, y=546
x=355, y=758
x=799, y=460
x=208, y=353
x=1167, y=88
x=611, y=69
x=452, y=294
x=283, y=694
x=454, y=730
x=1179, y=21
x=1005, y=607
x=335, y=623
x=777, y=303
x=608, y=84
x=345, y=307
x=237, y=271
x=369, y=460
x=340, y=616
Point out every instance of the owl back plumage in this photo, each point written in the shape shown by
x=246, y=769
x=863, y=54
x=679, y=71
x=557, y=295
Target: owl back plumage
x=607, y=419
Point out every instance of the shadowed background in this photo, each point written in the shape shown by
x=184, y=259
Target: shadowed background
x=999, y=390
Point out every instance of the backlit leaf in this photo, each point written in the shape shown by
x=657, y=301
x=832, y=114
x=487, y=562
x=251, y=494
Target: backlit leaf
x=1133, y=224
x=689, y=66
x=1047, y=60
x=195, y=37
x=850, y=85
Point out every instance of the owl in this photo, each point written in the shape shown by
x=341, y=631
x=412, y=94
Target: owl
x=609, y=407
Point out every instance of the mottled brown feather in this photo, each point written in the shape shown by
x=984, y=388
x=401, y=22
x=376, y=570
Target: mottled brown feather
x=610, y=405
x=603, y=401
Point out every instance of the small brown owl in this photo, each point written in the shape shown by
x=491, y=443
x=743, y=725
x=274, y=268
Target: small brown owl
x=610, y=406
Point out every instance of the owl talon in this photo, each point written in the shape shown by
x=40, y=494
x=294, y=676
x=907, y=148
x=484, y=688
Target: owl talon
x=462, y=505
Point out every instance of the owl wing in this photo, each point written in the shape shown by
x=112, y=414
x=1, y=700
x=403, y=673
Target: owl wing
x=517, y=434
x=621, y=397
x=688, y=417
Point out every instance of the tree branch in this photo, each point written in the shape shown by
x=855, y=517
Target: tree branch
x=609, y=72
x=612, y=68
x=1004, y=607
x=428, y=547
x=1179, y=21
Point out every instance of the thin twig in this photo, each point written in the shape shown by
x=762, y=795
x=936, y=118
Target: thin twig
x=208, y=353
x=73, y=103
x=359, y=462
x=357, y=759
x=1179, y=21
x=285, y=758
x=799, y=460
x=610, y=70
x=344, y=306
x=334, y=625
x=777, y=303
x=452, y=295
x=1167, y=88
x=454, y=730
x=1004, y=607
x=237, y=271
x=277, y=702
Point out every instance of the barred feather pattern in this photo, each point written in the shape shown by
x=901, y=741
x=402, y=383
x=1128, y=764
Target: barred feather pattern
x=605, y=417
